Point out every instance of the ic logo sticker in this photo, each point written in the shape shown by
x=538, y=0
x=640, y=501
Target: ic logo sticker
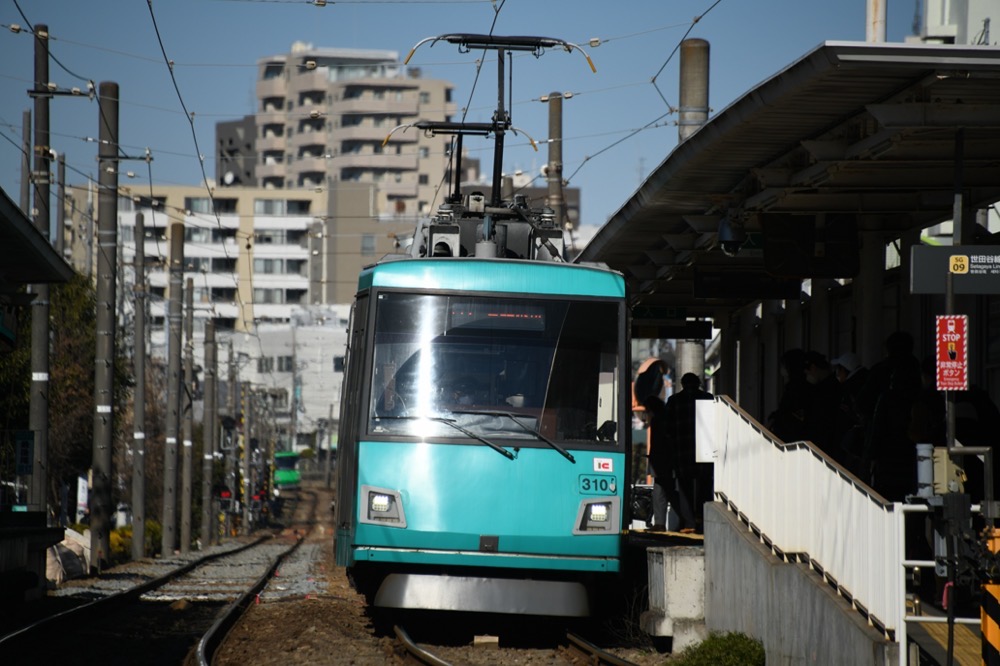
x=603, y=465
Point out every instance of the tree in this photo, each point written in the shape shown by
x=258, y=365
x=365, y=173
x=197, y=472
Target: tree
x=73, y=325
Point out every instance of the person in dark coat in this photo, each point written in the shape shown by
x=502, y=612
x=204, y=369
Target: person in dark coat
x=830, y=414
x=694, y=479
x=649, y=389
x=788, y=421
x=886, y=404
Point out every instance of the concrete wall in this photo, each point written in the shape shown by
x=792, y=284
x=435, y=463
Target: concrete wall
x=799, y=618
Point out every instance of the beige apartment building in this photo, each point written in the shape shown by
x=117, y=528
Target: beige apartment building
x=328, y=115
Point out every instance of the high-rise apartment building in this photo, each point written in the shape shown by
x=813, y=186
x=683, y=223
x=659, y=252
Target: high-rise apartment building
x=327, y=114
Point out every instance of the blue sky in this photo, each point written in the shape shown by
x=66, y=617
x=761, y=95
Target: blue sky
x=215, y=45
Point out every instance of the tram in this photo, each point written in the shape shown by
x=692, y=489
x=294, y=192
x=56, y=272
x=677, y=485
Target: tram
x=484, y=425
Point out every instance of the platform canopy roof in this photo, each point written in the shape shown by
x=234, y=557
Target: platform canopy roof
x=26, y=257
x=853, y=140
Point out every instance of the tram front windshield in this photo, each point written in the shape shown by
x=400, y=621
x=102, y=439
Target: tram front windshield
x=454, y=366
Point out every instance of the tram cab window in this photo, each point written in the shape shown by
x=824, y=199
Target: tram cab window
x=494, y=365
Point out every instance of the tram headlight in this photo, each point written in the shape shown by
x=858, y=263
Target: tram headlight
x=379, y=503
x=597, y=516
x=598, y=513
x=382, y=507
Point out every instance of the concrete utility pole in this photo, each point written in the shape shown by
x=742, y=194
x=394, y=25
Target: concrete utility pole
x=187, y=401
x=209, y=428
x=61, y=208
x=139, y=406
x=554, y=173
x=248, y=428
x=169, y=540
x=25, y=201
x=38, y=419
x=104, y=361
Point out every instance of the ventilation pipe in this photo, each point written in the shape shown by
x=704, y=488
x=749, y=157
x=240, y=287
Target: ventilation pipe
x=692, y=115
x=875, y=21
x=693, y=112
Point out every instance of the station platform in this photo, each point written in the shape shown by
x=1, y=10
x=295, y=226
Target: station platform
x=932, y=637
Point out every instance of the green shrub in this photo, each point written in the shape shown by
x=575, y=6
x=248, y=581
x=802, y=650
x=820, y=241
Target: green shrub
x=731, y=649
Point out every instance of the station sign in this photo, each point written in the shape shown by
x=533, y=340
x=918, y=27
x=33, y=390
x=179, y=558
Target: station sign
x=974, y=269
x=952, y=352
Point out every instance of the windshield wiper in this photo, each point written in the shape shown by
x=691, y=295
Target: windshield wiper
x=451, y=422
x=525, y=426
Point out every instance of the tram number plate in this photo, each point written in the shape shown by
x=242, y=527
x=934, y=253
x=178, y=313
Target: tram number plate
x=597, y=484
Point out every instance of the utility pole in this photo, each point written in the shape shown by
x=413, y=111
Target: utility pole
x=187, y=400
x=104, y=361
x=139, y=406
x=26, y=163
x=38, y=419
x=248, y=429
x=229, y=464
x=209, y=428
x=61, y=208
x=169, y=539
x=328, y=433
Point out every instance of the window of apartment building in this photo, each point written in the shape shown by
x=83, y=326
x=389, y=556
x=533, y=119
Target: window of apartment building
x=223, y=294
x=294, y=266
x=269, y=265
x=424, y=152
x=273, y=71
x=223, y=265
x=296, y=296
x=270, y=236
x=268, y=296
x=286, y=364
x=125, y=204
x=378, y=94
x=423, y=179
x=222, y=235
x=377, y=149
x=367, y=245
x=424, y=207
x=197, y=235
x=425, y=97
x=281, y=206
x=338, y=363
x=195, y=264
x=265, y=364
x=298, y=206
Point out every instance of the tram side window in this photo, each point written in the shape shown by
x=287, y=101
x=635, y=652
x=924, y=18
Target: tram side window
x=583, y=377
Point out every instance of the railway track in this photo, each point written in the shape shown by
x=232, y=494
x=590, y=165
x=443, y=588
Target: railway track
x=162, y=619
x=576, y=651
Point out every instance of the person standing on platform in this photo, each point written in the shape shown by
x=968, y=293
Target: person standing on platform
x=649, y=392
x=694, y=479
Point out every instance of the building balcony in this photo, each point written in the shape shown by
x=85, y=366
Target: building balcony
x=368, y=105
x=275, y=170
x=276, y=87
x=364, y=133
x=317, y=164
x=315, y=81
x=301, y=140
x=263, y=118
x=269, y=143
x=381, y=161
x=393, y=189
